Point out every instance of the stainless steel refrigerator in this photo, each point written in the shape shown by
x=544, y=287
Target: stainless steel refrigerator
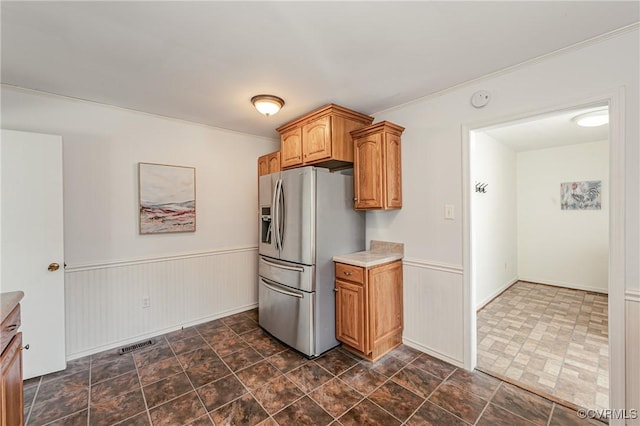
x=306, y=217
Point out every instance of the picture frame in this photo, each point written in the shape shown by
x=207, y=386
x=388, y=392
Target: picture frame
x=166, y=198
x=582, y=195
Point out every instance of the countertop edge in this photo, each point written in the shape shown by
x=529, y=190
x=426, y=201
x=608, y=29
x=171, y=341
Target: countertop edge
x=8, y=302
x=381, y=258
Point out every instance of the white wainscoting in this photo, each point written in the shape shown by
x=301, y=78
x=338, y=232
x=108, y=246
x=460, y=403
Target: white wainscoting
x=104, y=301
x=433, y=309
x=633, y=352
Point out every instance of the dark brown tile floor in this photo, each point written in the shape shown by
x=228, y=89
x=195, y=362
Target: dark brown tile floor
x=229, y=372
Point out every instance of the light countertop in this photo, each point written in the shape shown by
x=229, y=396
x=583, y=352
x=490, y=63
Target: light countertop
x=381, y=252
x=8, y=301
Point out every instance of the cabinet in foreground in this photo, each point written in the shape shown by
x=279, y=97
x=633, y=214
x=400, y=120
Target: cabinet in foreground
x=11, y=398
x=369, y=311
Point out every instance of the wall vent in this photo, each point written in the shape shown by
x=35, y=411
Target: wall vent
x=135, y=346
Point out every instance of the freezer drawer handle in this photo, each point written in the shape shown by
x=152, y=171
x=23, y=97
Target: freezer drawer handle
x=287, y=293
x=276, y=265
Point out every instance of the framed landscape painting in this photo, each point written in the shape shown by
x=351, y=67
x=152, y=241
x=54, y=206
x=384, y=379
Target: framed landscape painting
x=167, y=198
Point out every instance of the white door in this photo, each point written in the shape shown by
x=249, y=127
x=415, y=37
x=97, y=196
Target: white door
x=32, y=244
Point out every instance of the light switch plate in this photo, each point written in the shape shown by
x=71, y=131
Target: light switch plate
x=448, y=211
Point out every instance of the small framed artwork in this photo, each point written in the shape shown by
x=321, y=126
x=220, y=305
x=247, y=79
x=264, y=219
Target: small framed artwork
x=167, y=198
x=585, y=195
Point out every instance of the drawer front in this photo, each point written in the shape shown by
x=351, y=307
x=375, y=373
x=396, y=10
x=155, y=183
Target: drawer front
x=9, y=327
x=350, y=273
x=288, y=314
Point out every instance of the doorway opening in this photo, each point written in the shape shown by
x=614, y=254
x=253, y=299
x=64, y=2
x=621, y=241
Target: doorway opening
x=539, y=242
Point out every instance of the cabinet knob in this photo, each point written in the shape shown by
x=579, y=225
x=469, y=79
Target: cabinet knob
x=347, y=273
x=335, y=290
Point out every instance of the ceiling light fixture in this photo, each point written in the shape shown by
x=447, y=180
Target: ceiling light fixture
x=592, y=119
x=267, y=104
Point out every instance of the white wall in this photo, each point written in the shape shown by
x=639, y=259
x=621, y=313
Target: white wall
x=494, y=228
x=102, y=147
x=433, y=169
x=563, y=247
x=110, y=266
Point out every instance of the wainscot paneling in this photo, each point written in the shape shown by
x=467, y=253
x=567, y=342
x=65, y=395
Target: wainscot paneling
x=633, y=354
x=433, y=309
x=104, y=302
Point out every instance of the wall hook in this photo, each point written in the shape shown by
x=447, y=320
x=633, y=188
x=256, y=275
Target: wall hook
x=481, y=187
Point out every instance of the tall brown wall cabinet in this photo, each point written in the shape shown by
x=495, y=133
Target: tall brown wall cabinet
x=377, y=167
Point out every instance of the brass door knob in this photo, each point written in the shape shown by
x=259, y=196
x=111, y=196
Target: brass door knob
x=53, y=267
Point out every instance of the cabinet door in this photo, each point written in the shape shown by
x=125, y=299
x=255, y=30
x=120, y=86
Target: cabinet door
x=385, y=301
x=350, y=315
x=291, y=148
x=316, y=139
x=274, y=162
x=393, y=172
x=367, y=168
x=263, y=165
x=12, y=411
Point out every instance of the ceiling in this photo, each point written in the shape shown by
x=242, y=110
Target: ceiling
x=202, y=61
x=548, y=131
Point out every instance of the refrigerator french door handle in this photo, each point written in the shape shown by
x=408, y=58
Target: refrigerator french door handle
x=277, y=265
x=281, y=214
x=270, y=285
x=274, y=209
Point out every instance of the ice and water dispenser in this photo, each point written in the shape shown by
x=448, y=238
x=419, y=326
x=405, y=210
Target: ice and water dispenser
x=265, y=225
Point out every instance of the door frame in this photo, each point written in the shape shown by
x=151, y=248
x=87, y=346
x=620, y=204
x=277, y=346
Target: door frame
x=617, y=262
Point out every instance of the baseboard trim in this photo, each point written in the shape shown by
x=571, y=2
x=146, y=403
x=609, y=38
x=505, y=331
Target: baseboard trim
x=497, y=294
x=415, y=345
x=563, y=284
x=159, y=332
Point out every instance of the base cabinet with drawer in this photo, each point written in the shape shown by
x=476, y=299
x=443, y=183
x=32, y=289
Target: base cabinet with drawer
x=369, y=311
x=11, y=404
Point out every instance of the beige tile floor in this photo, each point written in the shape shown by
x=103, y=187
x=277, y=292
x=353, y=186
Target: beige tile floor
x=551, y=339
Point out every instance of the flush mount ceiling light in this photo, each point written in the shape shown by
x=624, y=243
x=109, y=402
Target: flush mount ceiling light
x=592, y=119
x=267, y=104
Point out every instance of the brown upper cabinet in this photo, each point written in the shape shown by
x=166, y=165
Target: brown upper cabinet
x=269, y=163
x=321, y=137
x=377, y=167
